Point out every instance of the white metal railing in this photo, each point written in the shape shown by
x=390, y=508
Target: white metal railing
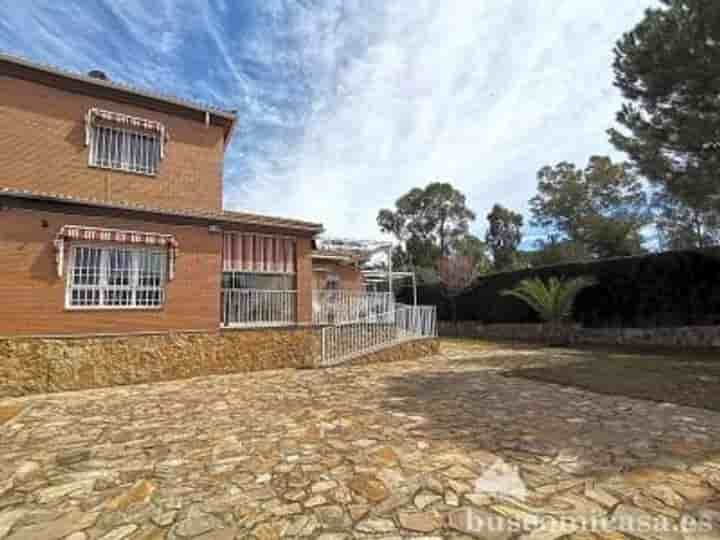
x=254, y=307
x=340, y=306
x=416, y=321
x=345, y=341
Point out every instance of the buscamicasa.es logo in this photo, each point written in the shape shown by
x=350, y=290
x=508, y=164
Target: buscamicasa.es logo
x=502, y=480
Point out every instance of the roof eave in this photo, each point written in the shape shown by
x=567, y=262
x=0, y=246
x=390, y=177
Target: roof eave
x=319, y=255
x=119, y=88
x=249, y=219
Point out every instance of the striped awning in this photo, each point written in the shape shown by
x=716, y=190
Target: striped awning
x=258, y=253
x=125, y=120
x=97, y=234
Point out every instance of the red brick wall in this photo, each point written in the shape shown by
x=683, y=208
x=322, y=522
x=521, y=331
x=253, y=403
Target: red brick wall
x=304, y=280
x=42, y=148
x=350, y=277
x=33, y=296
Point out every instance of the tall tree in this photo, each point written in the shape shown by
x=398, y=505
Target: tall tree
x=427, y=218
x=601, y=209
x=668, y=70
x=613, y=237
x=680, y=226
x=555, y=250
x=503, y=236
x=471, y=246
x=446, y=208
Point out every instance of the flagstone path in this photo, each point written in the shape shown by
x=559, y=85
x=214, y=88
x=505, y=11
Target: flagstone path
x=422, y=449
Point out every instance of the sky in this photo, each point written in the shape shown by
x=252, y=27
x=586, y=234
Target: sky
x=344, y=105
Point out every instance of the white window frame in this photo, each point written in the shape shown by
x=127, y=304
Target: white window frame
x=126, y=164
x=103, y=287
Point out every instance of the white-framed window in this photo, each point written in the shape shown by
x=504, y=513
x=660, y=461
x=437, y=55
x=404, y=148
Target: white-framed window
x=123, y=149
x=116, y=277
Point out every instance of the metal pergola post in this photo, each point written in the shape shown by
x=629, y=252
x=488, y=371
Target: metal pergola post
x=390, y=272
x=414, y=282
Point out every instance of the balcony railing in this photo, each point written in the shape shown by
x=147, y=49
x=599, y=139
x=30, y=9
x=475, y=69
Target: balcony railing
x=253, y=307
x=341, y=306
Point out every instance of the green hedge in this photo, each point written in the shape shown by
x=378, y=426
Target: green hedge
x=665, y=289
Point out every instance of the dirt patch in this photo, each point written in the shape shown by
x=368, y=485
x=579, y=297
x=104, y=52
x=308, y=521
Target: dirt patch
x=682, y=379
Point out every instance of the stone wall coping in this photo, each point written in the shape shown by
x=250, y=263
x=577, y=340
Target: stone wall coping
x=678, y=336
x=18, y=337
x=577, y=326
x=213, y=331
x=298, y=326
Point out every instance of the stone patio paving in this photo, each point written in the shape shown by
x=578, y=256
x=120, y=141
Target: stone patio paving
x=412, y=449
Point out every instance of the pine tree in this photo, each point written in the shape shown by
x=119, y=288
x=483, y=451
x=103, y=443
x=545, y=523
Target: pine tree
x=668, y=70
x=504, y=236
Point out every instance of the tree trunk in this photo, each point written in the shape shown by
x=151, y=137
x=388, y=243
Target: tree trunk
x=453, y=303
x=442, y=236
x=556, y=335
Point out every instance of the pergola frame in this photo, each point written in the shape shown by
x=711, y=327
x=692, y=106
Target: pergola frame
x=368, y=248
x=381, y=276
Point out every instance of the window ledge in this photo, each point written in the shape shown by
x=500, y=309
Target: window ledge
x=114, y=308
x=124, y=171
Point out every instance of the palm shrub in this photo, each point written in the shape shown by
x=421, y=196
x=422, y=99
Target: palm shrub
x=553, y=301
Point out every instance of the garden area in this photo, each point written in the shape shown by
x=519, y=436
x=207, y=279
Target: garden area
x=691, y=379
x=682, y=377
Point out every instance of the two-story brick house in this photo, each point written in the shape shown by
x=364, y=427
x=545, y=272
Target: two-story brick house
x=118, y=263
x=111, y=217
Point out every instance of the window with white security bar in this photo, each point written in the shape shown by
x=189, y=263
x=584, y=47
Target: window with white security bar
x=122, y=149
x=116, y=277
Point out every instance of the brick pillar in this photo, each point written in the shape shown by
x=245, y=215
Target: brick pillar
x=304, y=280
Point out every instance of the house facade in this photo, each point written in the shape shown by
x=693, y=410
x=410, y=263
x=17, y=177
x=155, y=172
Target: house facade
x=111, y=217
x=119, y=264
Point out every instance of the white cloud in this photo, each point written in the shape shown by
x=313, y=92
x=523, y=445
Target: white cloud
x=346, y=104
x=478, y=92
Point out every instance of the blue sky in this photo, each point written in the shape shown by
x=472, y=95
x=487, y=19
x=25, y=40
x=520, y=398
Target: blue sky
x=345, y=105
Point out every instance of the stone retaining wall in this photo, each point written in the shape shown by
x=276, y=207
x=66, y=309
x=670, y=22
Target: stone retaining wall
x=689, y=336
x=40, y=365
x=37, y=365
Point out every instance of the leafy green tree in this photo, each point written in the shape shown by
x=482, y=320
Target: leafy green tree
x=668, y=70
x=680, y=226
x=600, y=209
x=503, y=236
x=555, y=251
x=422, y=251
x=552, y=301
x=471, y=246
x=426, y=221
x=613, y=237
